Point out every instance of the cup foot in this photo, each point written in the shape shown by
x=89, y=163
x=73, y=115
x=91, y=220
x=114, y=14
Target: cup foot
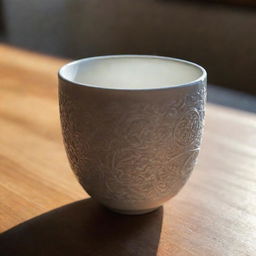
x=133, y=212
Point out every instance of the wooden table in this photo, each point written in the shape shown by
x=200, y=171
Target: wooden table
x=44, y=211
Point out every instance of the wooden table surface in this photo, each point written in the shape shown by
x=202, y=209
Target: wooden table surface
x=44, y=211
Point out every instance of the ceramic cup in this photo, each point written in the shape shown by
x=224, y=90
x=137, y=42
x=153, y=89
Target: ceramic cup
x=132, y=127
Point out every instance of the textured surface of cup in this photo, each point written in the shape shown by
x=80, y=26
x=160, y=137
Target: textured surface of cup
x=132, y=146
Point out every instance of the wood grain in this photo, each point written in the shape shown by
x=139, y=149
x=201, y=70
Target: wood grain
x=214, y=214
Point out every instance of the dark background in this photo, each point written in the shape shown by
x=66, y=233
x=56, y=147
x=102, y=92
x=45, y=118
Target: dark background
x=220, y=37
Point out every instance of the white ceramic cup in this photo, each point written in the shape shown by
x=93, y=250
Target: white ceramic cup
x=132, y=127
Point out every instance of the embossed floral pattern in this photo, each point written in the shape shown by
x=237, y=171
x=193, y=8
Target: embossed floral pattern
x=143, y=151
x=76, y=149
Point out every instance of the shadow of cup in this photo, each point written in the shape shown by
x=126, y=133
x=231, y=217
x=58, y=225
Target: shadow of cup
x=84, y=228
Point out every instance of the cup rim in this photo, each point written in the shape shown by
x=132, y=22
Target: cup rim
x=199, y=80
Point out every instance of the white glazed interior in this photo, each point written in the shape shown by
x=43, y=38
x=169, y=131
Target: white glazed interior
x=132, y=72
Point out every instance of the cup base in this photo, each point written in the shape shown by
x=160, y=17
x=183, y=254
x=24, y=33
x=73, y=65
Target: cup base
x=133, y=212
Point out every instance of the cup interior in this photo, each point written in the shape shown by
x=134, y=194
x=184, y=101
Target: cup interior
x=132, y=72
